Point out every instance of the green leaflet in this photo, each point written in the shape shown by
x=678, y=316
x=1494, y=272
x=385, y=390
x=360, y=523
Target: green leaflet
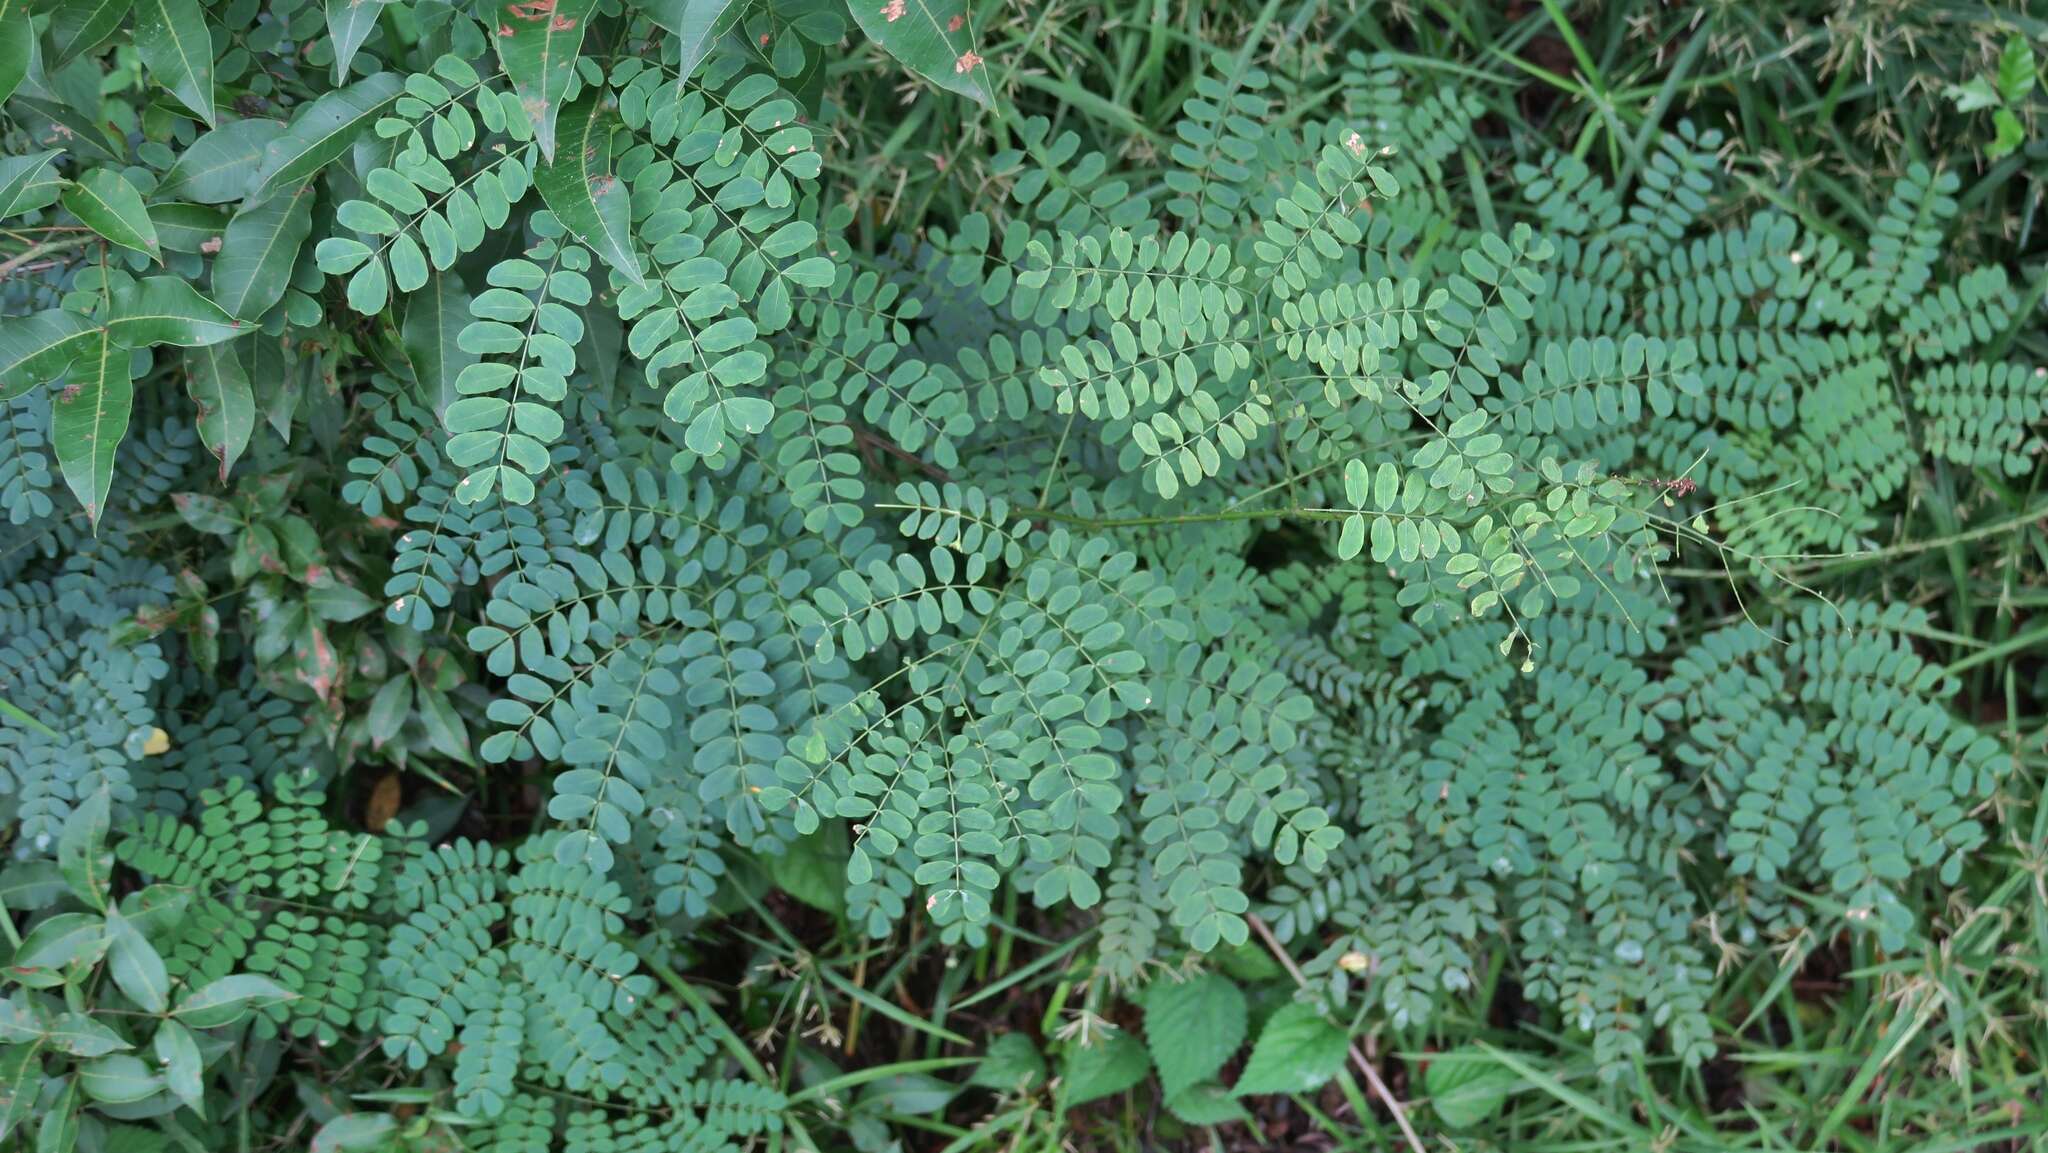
x=175, y=41
x=106, y=203
x=215, y=168
x=933, y=38
x=79, y=26
x=218, y=383
x=349, y=23
x=88, y=419
x=258, y=250
x=17, y=45
x=579, y=187
x=320, y=132
x=1296, y=1052
x=537, y=42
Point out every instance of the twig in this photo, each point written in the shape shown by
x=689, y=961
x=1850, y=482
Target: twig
x=44, y=249
x=1372, y=1075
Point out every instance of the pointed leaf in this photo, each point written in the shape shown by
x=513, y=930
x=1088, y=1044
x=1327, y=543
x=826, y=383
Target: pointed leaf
x=537, y=42
x=1192, y=1028
x=118, y=1080
x=322, y=131
x=580, y=189
x=79, y=26
x=697, y=24
x=434, y=319
x=229, y=999
x=82, y=854
x=178, y=1054
x=37, y=348
x=167, y=310
x=349, y=23
x=29, y=182
x=89, y=418
x=104, y=201
x=81, y=1036
x=257, y=252
x=933, y=38
x=1297, y=1052
x=17, y=45
x=176, y=45
x=215, y=168
x=137, y=968
x=218, y=384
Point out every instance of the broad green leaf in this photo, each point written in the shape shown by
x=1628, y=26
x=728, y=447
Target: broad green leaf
x=81, y=1036
x=79, y=26
x=1113, y=1064
x=582, y=192
x=82, y=854
x=257, y=252
x=1192, y=1027
x=56, y=944
x=697, y=24
x=229, y=999
x=36, y=884
x=1206, y=1104
x=354, y=1133
x=431, y=337
x=1011, y=1063
x=349, y=23
x=1296, y=1052
x=89, y=418
x=37, y=348
x=184, y=227
x=17, y=45
x=167, y=310
x=322, y=131
x=218, y=384
x=29, y=182
x=105, y=202
x=537, y=42
x=21, y=1020
x=1467, y=1086
x=176, y=45
x=118, y=1079
x=178, y=1055
x=2016, y=70
x=81, y=136
x=137, y=969
x=215, y=168
x=933, y=38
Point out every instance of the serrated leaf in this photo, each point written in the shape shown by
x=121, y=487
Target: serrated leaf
x=104, y=201
x=1467, y=1086
x=1192, y=1027
x=1113, y=1064
x=933, y=38
x=176, y=45
x=89, y=419
x=537, y=44
x=320, y=132
x=258, y=250
x=218, y=383
x=1297, y=1052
